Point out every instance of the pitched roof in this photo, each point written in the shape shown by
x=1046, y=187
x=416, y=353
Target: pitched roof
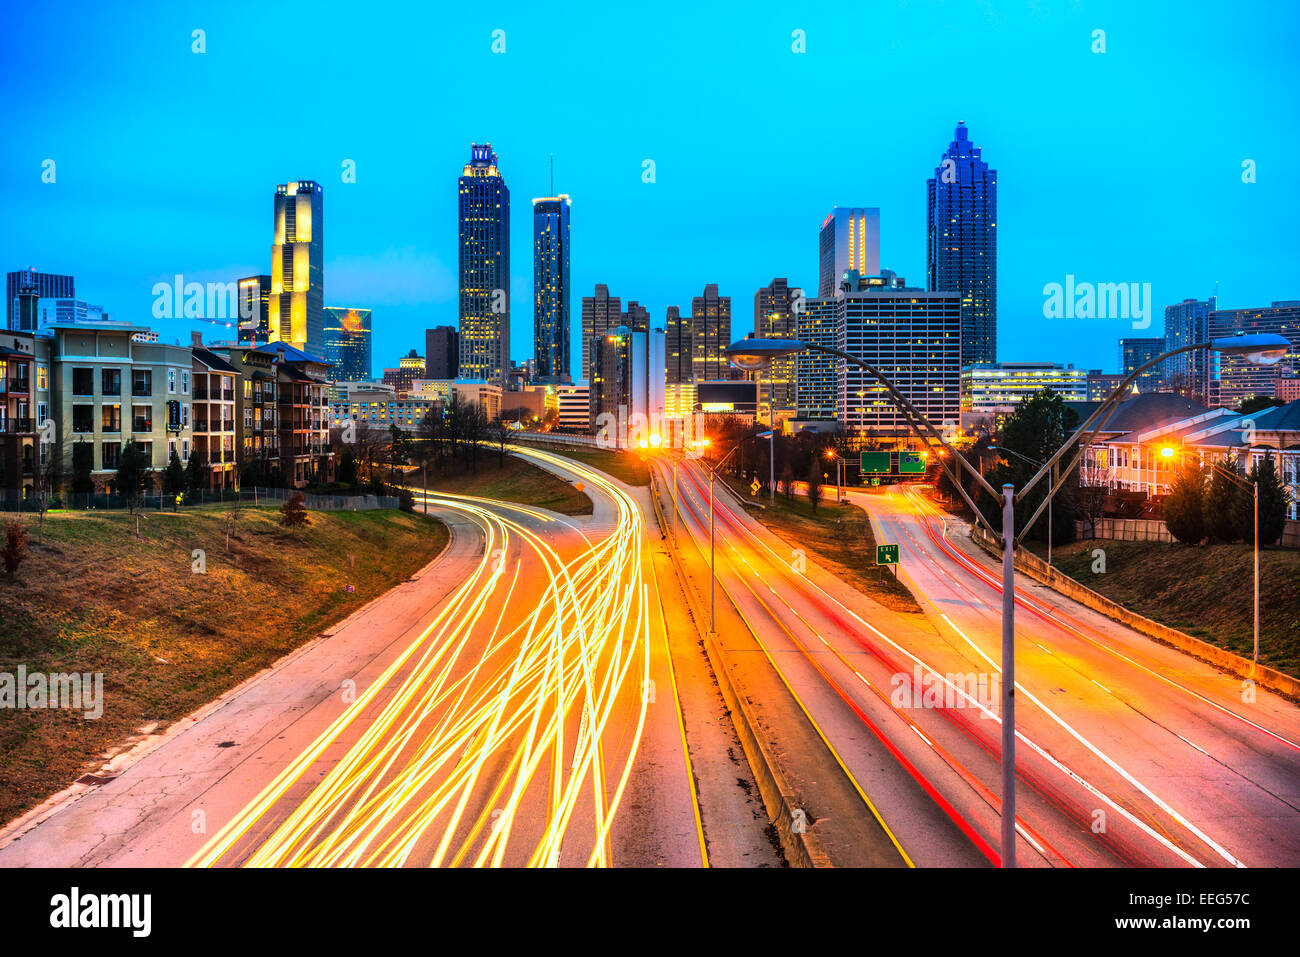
x=290, y=353
x=213, y=361
x=1150, y=410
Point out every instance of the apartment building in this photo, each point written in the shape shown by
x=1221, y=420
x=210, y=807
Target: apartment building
x=214, y=383
x=302, y=415
x=24, y=404
x=108, y=386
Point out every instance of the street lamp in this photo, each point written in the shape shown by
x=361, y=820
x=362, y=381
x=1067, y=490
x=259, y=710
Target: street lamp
x=1169, y=452
x=757, y=363
x=713, y=471
x=839, y=476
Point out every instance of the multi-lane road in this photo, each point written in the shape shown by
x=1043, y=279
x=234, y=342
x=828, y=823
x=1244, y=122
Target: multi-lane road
x=516, y=704
x=1129, y=753
x=540, y=696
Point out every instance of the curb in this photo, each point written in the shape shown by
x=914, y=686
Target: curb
x=801, y=849
x=1063, y=584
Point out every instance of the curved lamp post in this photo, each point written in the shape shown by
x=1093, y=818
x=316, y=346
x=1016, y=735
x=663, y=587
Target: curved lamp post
x=752, y=353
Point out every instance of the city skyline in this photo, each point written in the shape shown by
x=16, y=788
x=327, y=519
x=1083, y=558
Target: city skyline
x=1120, y=230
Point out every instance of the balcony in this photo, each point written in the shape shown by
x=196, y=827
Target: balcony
x=141, y=425
x=200, y=391
x=18, y=385
x=200, y=425
x=17, y=426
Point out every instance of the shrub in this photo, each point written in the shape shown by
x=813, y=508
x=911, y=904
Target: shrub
x=15, y=547
x=293, y=513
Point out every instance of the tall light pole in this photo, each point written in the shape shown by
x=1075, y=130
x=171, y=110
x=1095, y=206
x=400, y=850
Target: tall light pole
x=754, y=353
x=713, y=576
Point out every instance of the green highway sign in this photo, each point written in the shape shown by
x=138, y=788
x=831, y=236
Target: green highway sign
x=911, y=463
x=886, y=554
x=878, y=463
x=875, y=480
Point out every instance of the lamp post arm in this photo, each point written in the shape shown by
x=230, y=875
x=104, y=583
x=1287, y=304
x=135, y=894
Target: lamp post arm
x=1104, y=409
x=912, y=412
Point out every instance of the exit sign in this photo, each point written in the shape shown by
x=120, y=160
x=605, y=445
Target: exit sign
x=876, y=463
x=911, y=463
x=886, y=554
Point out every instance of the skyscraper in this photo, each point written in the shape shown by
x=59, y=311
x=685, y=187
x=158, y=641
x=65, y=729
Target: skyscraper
x=255, y=310
x=441, y=352
x=913, y=338
x=551, y=288
x=45, y=285
x=849, y=239
x=962, y=243
x=710, y=335
x=602, y=312
x=1134, y=353
x=816, y=374
x=347, y=343
x=679, y=346
x=1187, y=323
x=484, y=247
x=775, y=317
x=1233, y=378
x=297, y=301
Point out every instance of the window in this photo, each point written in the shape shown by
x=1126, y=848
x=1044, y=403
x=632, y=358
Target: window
x=185, y=449
x=141, y=382
x=171, y=449
x=110, y=454
x=42, y=414
x=111, y=418
x=141, y=418
x=111, y=382
x=83, y=457
x=83, y=381
x=248, y=418
x=185, y=415
x=185, y=382
x=146, y=453
x=248, y=388
x=42, y=378
x=83, y=418
x=171, y=381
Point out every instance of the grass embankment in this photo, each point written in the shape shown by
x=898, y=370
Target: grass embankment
x=514, y=481
x=93, y=598
x=628, y=467
x=840, y=539
x=1206, y=591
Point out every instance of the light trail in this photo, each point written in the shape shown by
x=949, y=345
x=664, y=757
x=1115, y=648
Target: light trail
x=499, y=735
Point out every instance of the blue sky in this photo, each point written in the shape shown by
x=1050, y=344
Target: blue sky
x=1123, y=166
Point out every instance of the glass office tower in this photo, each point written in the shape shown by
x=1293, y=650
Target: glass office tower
x=297, y=302
x=347, y=343
x=551, y=288
x=962, y=243
x=484, y=245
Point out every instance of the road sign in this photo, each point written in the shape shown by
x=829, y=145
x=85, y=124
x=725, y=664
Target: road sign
x=875, y=480
x=911, y=463
x=754, y=486
x=878, y=463
x=886, y=554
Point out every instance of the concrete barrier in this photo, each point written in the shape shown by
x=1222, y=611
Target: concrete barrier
x=801, y=849
x=1037, y=569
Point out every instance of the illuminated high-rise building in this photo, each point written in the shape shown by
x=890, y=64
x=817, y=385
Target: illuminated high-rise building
x=602, y=312
x=297, y=302
x=347, y=343
x=551, y=288
x=849, y=239
x=255, y=310
x=1187, y=323
x=776, y=308
x=484, y=248
x=962, y=244
x=710, y=335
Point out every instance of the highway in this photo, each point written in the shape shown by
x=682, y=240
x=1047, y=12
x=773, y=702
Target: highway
x=1129, y=754
x=516, y=705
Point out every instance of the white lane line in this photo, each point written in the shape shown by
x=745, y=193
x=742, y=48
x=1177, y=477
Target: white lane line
x=1205, y=838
